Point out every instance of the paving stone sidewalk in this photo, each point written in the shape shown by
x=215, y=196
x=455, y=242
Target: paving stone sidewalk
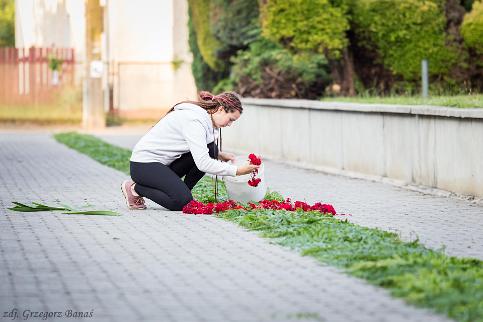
x=439, y=222
x=153, y=265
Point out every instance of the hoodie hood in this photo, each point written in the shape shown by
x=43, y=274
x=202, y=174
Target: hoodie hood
x=197, y=113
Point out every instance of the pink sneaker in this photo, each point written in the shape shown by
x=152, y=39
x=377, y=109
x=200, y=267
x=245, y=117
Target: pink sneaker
x=133, y=202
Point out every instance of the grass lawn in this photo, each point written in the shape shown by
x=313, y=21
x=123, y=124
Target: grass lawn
x=48, y=114
x=461, y=101
x=423, y=277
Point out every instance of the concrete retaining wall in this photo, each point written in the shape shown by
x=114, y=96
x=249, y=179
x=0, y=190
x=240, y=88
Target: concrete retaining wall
x=432, y=146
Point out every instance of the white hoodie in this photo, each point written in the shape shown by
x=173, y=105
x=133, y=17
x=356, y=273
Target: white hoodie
x=187, y=129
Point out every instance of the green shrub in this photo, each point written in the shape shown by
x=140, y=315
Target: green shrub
x=205, y=77
x=405, y=32
x=225, y=85
x=472, y=28
x=301, y=25
x=268, y=70
x=200, y=15
x=218, y=29
x=235, y=23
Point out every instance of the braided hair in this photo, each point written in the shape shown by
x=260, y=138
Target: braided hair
x=230, y=102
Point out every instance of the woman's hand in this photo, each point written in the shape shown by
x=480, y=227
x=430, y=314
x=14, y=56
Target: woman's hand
x=246, y=169
x=224, y=156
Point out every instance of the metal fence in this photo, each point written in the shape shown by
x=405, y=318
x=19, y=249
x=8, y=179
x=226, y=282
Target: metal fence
x=32, y=76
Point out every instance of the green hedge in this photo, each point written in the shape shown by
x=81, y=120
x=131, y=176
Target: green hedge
x=405, y=32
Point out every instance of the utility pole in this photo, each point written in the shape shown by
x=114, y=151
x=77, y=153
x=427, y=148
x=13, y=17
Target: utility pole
x=424, y=78
x=106, y=78
x=93, y=115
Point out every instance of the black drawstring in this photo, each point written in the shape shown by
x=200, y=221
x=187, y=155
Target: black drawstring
x=217, y=143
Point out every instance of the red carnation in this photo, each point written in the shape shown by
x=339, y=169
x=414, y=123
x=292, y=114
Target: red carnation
x=254, y=159
x=253, y=182
x=198, y=208
x=227, y=205
x=323, y=208
x=301, y=204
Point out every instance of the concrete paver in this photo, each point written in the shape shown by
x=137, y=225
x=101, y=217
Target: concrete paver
x=154, y=265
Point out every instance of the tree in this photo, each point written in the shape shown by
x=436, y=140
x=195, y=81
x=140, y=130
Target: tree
x=7, y=23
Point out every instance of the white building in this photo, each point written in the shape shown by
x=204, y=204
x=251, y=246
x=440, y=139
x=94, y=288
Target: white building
x=145, y=45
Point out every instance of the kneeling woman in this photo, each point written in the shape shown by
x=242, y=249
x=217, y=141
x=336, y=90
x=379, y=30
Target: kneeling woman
x=182, y=144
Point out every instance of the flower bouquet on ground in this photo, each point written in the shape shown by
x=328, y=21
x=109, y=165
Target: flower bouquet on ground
x=248, y=187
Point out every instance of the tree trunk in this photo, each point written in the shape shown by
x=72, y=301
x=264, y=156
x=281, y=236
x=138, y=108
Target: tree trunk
x=342, y=72
x=348, y=72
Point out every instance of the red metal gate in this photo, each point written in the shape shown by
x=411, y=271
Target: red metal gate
x=26, y=77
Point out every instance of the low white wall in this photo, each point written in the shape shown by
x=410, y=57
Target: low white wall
x=432, y=146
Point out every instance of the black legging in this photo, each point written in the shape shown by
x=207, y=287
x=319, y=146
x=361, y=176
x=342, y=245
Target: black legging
x=163, y=185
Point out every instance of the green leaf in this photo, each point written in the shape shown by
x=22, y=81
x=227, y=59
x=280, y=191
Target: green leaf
x=39, y=205
x=20, y=204
x=93, y=213
x=24, y=209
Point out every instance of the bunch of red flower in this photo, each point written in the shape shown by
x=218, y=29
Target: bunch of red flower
x=255, y=161
x=199, y=208
x=196, y=207
x=287, y=205
x=227, y=205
